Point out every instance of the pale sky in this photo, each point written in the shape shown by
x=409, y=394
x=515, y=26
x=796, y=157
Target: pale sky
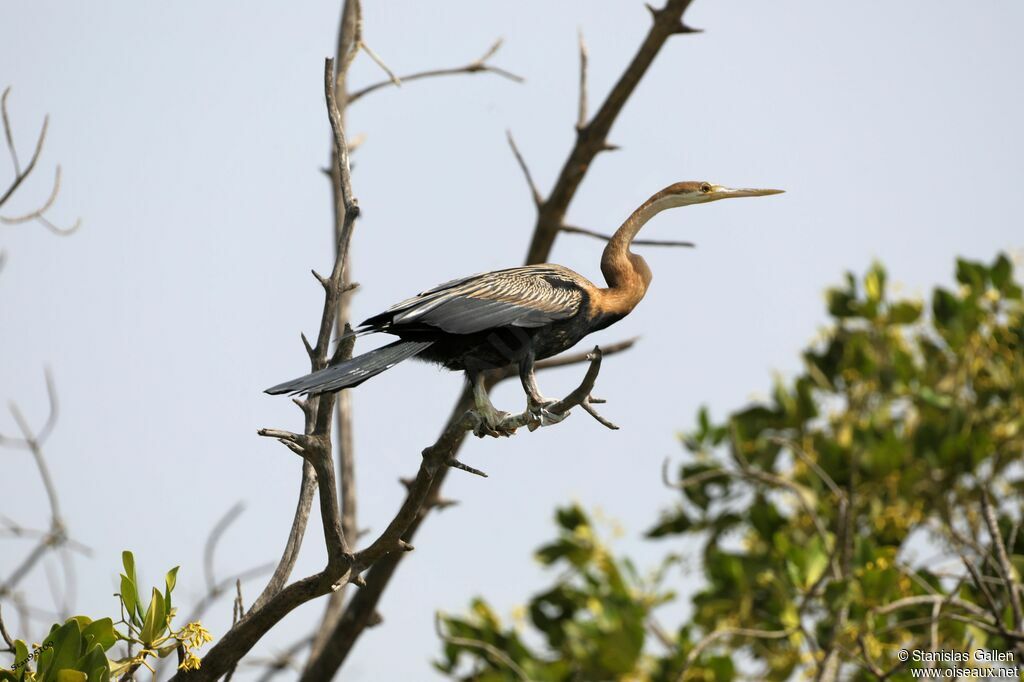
x=192, y=136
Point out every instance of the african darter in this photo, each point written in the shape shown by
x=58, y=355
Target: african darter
x=512, y=316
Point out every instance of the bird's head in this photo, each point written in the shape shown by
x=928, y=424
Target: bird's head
x=696, y=192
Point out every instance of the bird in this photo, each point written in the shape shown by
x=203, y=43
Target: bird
x=514, y=316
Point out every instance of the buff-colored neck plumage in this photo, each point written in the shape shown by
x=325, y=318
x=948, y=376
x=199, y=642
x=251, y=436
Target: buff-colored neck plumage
x=627, y=274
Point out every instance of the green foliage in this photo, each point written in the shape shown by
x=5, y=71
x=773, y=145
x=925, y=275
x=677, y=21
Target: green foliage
x=78, y=650
x=73, y=651
x=808, y=511
x=592, y=620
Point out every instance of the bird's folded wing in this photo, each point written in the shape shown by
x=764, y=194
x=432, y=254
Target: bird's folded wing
x=530, y=296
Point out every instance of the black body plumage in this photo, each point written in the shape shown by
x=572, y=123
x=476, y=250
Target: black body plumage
x=475, y=323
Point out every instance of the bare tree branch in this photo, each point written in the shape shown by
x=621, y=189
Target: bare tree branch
x=538, y=200
x=592, y=138
x=987, y=594
x=581, y=116
x=749, y=473
x=8, y=642
x=38, y=216
x=349, y=39
x=284, y=660
x=636, y=242
x=314, y=445
x=436, y=459
x=307, y=488
x=1002, y=559
x=20, y=175
x=213, y=539
x=492, y=652
x=392, y=78
x=476, y=66
x=56, y=537
x=726, y=633
x=589, y=142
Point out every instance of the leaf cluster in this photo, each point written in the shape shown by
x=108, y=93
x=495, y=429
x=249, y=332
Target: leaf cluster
x=79, y=650
x=847, y=517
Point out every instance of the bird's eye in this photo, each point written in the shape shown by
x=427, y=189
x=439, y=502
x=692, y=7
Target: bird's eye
x=705, y=187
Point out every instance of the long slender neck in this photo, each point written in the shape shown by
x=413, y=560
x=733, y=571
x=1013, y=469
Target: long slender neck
x=627, y=274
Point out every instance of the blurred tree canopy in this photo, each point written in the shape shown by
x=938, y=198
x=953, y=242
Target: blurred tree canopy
x=870, y=508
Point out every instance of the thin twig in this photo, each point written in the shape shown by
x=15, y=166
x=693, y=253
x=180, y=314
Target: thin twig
x=534, y=192
x=33, y=442
x=749, y=473
x=494, y=653
x=713, y=637
x=8, y=642
x=222, y=586
x=581, y=116
x=20, y=175
x=989, y=600
x=283, y=660
x=571, y=229
x=395, y=80
x=9, y=131
x=810, y=462
x=476, y=66
x=213, y=539
x=1003, y=561
x=925, y=599
x=38, y=216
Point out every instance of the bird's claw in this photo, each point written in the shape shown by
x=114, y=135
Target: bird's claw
x=540, y=415
x=489, y=423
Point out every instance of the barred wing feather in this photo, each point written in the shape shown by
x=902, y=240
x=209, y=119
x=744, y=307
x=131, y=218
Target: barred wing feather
x=530, y=296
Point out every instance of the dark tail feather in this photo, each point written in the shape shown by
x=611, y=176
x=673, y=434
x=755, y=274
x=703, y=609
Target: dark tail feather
x=352, y=372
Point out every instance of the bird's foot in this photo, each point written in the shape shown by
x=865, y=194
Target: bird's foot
x=540, y=415
x=490, y=422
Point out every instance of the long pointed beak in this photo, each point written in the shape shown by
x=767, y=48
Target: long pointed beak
x=729, y=192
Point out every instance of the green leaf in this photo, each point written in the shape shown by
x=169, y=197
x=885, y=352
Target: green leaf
x=69, y=675
x=934, y=399
x=128, y=559
x=170, y=580
x=549, y=554
x=972, y=274
x=842, y=304
x=1002, y=272
x=20, y=651
x=155, y=622
x=96, y=662
x=571, y=517
x=874, y=283
x=130, y=598
x=905, y=312
x=946, y=308
x=671, y=523
x=100, y=632
x=67, y=648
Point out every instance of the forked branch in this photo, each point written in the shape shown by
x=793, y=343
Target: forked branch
x=479, y=65
x=579, y=397
x=22, y=174
x=55, y=538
